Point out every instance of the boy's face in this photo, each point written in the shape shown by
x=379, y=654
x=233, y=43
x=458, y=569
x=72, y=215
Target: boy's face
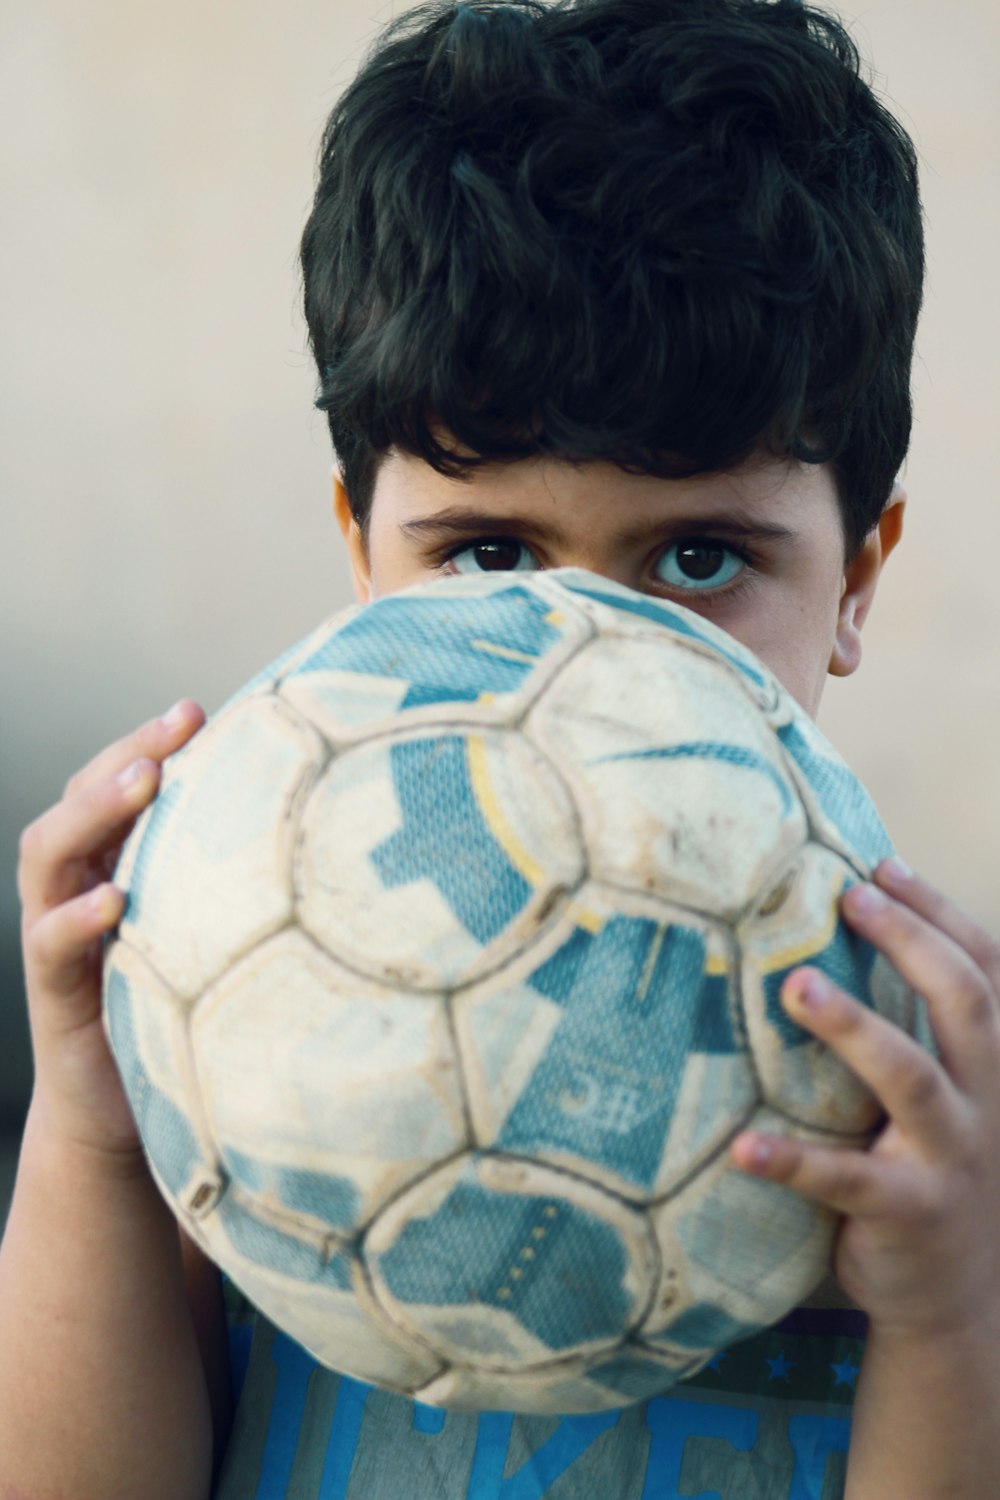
x=758, y=551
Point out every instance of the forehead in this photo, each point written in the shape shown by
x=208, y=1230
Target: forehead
x=775, y=499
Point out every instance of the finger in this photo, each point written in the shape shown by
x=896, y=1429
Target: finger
x=909, y=1083
x=60, y=947
x=62, y=850
x=154, y=740
x=963, y=1007
x=848, y=1181
x=920, y=896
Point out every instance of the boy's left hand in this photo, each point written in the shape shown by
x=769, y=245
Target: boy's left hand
x=919, y=1248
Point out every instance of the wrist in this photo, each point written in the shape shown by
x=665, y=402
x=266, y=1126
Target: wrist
x=927, y=1413
x=51, y=1136
x=961, y=1341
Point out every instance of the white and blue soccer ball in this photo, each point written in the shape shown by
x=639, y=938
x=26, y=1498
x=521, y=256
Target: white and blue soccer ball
x=451, y=968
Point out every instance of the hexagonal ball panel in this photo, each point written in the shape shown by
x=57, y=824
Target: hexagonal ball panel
x=741, y=1251
x=613, y=1048
x=325, y=1093
x=426, y=859
x=566, y=1387
x=841, y=813
x=211, y=873
x=509, y=1264
x=675, y=772
x=621, y=611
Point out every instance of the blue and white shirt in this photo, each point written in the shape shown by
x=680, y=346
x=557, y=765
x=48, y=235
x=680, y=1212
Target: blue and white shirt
x=769, y=1419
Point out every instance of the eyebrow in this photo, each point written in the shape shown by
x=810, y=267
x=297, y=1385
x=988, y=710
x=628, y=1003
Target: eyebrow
x=735, y=523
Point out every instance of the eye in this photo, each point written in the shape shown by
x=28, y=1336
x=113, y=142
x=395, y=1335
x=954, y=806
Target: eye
x=495, y=554
x=699, y=563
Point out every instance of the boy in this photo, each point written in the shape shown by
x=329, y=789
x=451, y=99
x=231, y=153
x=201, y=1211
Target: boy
x=631, y=285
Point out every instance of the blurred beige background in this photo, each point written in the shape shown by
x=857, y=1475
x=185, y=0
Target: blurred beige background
x=166, y=483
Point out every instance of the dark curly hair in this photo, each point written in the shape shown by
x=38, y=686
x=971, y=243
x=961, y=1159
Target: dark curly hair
x=665, y=234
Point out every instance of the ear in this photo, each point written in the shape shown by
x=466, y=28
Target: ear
x=861, y=578
x=357, y=552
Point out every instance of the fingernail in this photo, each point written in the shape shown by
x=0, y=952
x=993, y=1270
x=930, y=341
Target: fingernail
x=866, y=900
x=105, y=902
x=174, y=716
x=810, y=990
x=130, y=775
x=897, y=869
x=759, y=1157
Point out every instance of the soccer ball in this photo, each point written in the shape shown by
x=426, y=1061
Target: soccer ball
x=450, y=969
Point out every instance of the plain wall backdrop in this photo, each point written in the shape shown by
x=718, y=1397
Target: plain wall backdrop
x=166, y=482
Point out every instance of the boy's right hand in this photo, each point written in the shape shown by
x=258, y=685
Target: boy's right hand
x=69, y=903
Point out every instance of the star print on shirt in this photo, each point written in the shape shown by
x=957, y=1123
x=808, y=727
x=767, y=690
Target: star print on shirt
x=780, y=1367
x=715, y=1363
x=846, y=1372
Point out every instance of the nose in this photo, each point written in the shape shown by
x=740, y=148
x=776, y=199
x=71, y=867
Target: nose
x=603, y=561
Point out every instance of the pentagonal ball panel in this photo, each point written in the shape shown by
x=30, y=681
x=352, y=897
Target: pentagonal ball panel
x=308, y=1288
x=800, y=923
x=425, y=859
x=484, y=649
x=146, y=1027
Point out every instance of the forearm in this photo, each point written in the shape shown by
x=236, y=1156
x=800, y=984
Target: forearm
x=102, y=1393
x=927, y=1418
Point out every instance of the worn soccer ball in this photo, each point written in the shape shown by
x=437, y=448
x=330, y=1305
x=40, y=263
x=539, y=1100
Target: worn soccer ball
x=451, y=968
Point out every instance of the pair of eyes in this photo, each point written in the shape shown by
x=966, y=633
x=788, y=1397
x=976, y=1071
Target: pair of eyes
x=694, y=563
